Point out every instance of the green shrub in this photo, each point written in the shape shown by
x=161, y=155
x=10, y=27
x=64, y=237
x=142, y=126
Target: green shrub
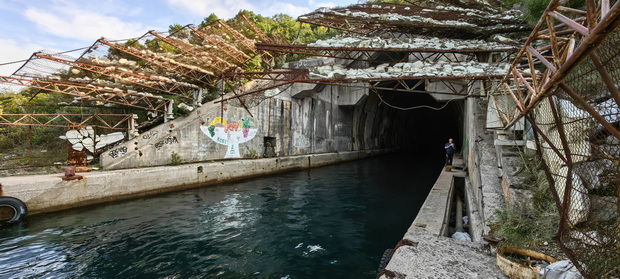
x=529, y=223
x=175, y=159
x=525, y=226
x=252, y=154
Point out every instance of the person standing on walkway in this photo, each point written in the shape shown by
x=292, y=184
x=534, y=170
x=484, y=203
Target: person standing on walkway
x=450, y=149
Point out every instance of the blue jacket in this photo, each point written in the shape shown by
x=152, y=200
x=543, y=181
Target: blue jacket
x=449, y=149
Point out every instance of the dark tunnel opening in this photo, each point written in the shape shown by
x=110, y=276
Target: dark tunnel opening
x=421, y=125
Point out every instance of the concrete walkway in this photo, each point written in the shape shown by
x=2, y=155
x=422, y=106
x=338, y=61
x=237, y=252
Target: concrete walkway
x=424, y=251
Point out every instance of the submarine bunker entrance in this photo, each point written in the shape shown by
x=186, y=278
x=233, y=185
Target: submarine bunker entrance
x=417, y=122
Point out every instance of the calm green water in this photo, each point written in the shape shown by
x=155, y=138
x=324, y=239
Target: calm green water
x=330, y=222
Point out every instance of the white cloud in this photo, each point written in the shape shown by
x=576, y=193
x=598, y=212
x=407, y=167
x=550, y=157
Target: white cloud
x=226, y=9
x=72, y=22
x=315, y=5
x=333, y=5
x=285, y=8
x=14, y=51
x=223, y=9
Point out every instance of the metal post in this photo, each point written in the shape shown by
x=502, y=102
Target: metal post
x=30, y=127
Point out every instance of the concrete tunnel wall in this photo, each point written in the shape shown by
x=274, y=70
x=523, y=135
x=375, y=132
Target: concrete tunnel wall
x=305, y=119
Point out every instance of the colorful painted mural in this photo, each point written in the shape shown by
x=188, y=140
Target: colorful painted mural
x=230, y=134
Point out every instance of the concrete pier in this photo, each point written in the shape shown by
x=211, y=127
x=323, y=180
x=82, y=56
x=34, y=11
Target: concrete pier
x=426, y=252
x=46, y=193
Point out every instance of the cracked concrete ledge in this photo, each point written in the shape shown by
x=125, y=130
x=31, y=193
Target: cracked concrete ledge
x=434, y=256
x=46, y=193
x=425, y=252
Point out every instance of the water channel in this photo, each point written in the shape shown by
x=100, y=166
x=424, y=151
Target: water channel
x=328, y=222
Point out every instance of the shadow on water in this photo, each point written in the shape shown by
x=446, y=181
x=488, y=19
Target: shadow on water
x=329, y=222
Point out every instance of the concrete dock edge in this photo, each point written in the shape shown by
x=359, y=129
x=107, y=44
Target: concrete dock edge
x=46, y=193
x=426, y=252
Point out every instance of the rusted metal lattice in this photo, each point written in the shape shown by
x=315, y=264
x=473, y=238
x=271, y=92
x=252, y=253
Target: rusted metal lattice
x=98, y=94
x=370, y=54
x=565, y=82
x=104, y=121
x=434, y=19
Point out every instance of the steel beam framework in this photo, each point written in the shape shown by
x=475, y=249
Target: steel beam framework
x=382, y=18
x=218, y=64
x=564, y=81
x=160, y=84
x=139, y=101
x=192, y=72
x=240, y=39
x=257, y=31
x=107, y=121
x=370, y=54
x=553, y=51
x=287, y=77
x=231, y=51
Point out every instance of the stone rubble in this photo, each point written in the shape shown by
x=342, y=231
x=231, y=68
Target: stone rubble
x=418, y=42
x=412, y=69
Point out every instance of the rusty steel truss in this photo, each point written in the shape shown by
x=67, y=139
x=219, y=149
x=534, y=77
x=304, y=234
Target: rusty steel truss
x=553, y=51
x=284, y=78
x=217, y=63
x=153, y=82
x=230, y=50
x=386, y=18
x=206, y=52
x=243, y=42
x=371, y=55
x=565, y=82
x=202, y=76
x=118, y=97
x=123, y=122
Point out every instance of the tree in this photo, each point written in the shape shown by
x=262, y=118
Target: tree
x=208, y=20
x=535, y=8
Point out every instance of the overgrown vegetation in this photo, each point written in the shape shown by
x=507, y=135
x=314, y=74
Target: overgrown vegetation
x=530, y=223
x=533, y=9
x=175, y=159
x=16, y=142
x=251, y=153
x=282, y=26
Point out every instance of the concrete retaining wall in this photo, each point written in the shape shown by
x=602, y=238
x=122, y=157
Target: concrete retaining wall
x=304, y=119
x=45, y=193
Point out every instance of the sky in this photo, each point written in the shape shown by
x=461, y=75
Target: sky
x=28, y=26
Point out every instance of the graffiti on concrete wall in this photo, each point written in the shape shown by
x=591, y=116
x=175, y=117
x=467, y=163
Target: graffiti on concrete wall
x=168, y=140
x=149, y=135
x=118, y=152
x=299, y=140
x=230, y=134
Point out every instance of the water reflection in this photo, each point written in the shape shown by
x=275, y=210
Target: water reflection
x=331, y=222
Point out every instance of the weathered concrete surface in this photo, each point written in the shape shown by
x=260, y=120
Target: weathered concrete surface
x=440, y=257
x=303, y=119
x=433, y=215
x=425, y=251
x=45, y=193
x=484, y=182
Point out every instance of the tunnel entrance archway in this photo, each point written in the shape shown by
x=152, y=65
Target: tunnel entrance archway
x=417, y=123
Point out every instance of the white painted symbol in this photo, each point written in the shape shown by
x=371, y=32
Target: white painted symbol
x=231, y=134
